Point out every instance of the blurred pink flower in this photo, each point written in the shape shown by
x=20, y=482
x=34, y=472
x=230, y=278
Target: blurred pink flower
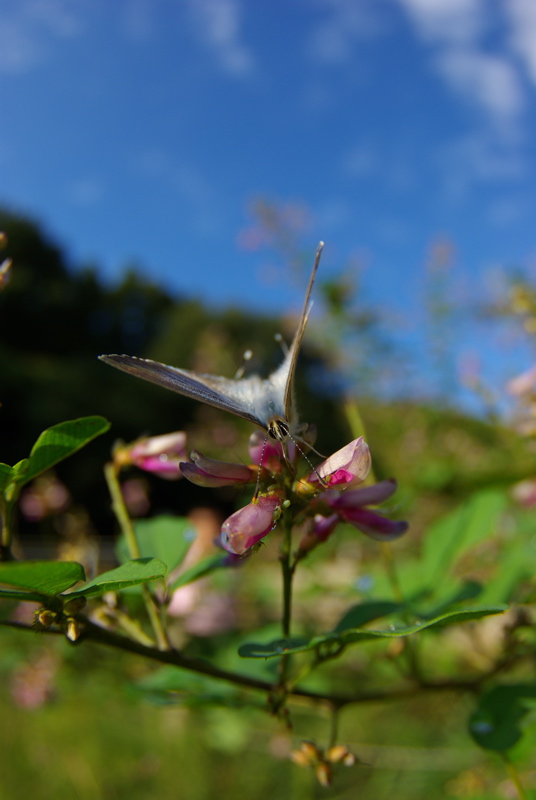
x=523, y=384
x=161, y=455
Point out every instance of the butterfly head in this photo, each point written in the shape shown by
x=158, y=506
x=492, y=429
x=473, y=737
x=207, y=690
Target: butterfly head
x=278, y=428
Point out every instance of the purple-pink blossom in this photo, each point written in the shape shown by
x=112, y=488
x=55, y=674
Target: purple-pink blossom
x=161, y=455
x=250, y=524
x=348, y=467
x=351, y=507
x=205, y=471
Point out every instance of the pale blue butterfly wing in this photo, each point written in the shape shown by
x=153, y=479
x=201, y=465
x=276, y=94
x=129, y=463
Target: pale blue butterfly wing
x=268, y=402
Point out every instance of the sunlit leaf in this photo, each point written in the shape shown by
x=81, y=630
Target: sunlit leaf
x=199, y=570
x=362, y=613
x=459, y=530
x=27, y=596
x=47, y=577
x=5, y=475
x=141, y=570
x=166, y=538
x=61, y=441
x=331, y=642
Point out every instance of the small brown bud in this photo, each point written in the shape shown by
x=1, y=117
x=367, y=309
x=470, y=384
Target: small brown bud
x=323, y=774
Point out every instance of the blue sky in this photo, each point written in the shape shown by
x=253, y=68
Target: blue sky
x=141, y=130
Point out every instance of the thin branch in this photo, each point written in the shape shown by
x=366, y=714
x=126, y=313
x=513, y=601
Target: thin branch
x=94, y=633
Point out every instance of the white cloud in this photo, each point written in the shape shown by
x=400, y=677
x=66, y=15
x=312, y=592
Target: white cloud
x=451, y=21
x=478, y=158
x=491, y=82
x=345, y=23
x=30, y=29
x=218, y=25
x=522, y=16
x=455, y=29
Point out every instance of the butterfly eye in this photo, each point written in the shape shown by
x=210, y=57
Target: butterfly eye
x=278, y=429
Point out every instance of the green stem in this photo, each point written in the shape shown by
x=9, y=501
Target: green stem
x=334, y=726
x=514, y=776
x=287, y=573
x=125, y=523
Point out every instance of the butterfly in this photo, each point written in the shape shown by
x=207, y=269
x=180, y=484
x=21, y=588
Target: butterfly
x=269, y=403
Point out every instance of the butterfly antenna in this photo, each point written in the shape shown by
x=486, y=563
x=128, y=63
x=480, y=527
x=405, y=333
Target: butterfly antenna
x=304, y=455
x=248, y=355
x=258, y=484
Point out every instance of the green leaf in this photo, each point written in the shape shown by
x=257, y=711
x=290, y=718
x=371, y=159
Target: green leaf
x=497, y=722
x=331, y=642
x=47, y=577
x=165, y=537
x=175, y=685
x=10, y=595
x=199, y=570
x=141, y=570
x=363, y=613
x=57, y=443
x=5, y=476
x=468, y=590
x=446, y=540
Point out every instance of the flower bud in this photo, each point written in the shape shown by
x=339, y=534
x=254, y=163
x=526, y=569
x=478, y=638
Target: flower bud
x=71, y=628
x=349, y=466
x=159, y=454
x=317, y=531
x=339, y=754
x=323, y=774
x=250, y=524
x=205, y=471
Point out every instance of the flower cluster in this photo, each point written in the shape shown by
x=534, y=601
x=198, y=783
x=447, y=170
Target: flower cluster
x=328, y=495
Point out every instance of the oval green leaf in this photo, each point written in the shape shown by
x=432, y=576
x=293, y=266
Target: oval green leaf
x=46, y=577
x=141, y=570
x=329, y=642
x=62, y=440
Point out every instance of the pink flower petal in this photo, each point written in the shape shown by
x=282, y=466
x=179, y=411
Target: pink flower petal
x=349, y=466
x=249, y=525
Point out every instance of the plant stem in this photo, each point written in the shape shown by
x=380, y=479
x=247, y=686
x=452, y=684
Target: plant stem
x=96, y=633
x=125, y=523
x=514, y=776
x=287, y=574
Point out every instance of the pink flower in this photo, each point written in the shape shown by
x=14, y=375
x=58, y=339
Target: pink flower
x=160, y=454
x=350, y=506
x=349, y=466
x=317, y=531
x=523, y=384
x=250, y=524
x=208, y=472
